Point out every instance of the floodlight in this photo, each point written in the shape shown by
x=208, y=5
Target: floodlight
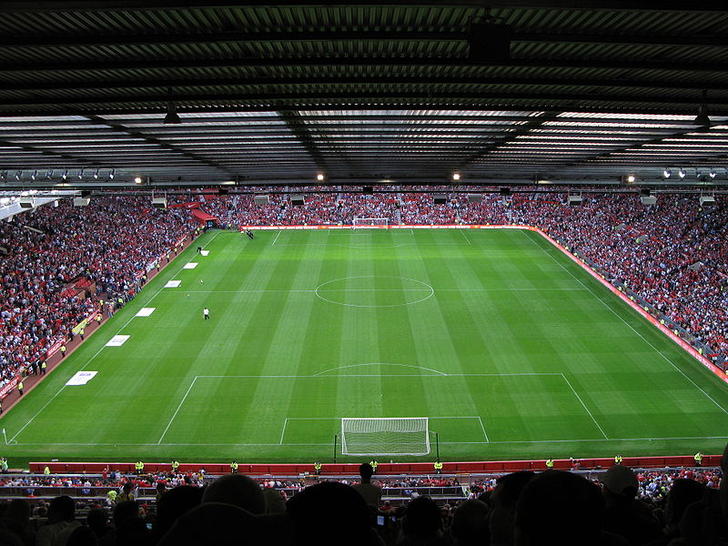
x=320, y=177
x=34, y=175
x=137, y=180
x=18, y=175
x=111, y=174
x=712, y=174
x=681, y=173
x=456, y=176
x=80, y=174
x=667, y=173
x=65, y=174
x=630, y=178
x=96, y=175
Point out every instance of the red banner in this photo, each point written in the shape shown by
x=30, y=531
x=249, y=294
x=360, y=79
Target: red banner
x=8, y=387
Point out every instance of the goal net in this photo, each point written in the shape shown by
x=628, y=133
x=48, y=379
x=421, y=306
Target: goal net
x=385, y=436
x=370, y=222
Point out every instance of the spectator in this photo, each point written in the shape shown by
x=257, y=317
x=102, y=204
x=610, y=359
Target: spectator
x=237, y=490
x=470, y=525
x=371, y=493
x=624, y=514
x=61, y=523
x=422, y=524
x=560, y=508
x=504, y=499
x=330, y=513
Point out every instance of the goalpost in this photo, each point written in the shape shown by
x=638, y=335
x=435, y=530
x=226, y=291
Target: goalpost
x=385, y=436
x=370, y=223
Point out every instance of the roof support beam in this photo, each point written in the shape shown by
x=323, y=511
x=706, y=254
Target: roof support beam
x=39, y=86
x=14, y=6
x=44, y=40
x=120, y=128
x=528, y=100
x=385, y=63
x=605, y=154
x=298, y=127
x=66, y=159
x=519, y=130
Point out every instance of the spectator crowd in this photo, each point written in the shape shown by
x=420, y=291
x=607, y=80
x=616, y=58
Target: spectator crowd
x=673, y=255
x=619, y=506
x=109, y=244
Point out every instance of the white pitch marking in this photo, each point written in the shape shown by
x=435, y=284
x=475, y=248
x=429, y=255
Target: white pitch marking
x=482, y=426
x=205, y=252
x=173, y=284
x=190, y=265
x=97, y=353
x=117, y=341
x=466, y=237
x=319, y=376
x=310, y=290
x=276, y=238
x=145, y=311
x=178, y=408
x=659, y=439
x=380, y=364
x=81, y=378
x=605, y=304
x=285, y=424
x=584, y=406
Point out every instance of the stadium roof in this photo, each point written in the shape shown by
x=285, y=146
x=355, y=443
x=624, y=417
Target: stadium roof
x=364, y=91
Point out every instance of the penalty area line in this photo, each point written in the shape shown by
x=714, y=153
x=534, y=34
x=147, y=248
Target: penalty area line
x=169, y=424
x=283, y=432
x=620, y=317
x=584, y=406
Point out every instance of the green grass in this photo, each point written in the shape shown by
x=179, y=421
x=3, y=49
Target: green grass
x=511, y=350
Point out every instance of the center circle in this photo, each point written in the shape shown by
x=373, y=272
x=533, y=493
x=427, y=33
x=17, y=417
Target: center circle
x=374, y=291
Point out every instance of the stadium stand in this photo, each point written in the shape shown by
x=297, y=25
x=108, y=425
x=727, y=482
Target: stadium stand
x=671, y=255
x=644, y=506
x=63, y=261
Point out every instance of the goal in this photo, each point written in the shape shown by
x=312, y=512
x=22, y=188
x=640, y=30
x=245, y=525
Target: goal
x=370, y=223
x=385, y=436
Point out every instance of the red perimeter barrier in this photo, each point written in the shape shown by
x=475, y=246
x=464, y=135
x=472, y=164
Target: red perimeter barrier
x=485, y=467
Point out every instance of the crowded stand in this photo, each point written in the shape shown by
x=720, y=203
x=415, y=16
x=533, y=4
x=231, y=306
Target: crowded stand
x=616, y=506
x=673, y=255
x=58, y=263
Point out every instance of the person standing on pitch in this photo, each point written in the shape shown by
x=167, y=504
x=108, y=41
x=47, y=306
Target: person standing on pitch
x=206, y=313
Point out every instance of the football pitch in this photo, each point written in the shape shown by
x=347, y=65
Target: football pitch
x=508, y=347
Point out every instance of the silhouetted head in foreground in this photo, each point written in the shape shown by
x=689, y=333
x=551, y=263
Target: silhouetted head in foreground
x=559, y=508
x=330, y=513
x=238, y=490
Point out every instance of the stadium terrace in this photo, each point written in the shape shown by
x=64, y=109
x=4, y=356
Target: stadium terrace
x=365, y=273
